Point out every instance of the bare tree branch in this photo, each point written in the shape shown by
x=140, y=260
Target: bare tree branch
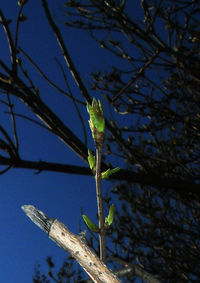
x=183, y=188
x=138, y=74
x=66, y=55
x=47, y=79
x=45, y=114
x=11, y=44
x=10, y=105
x=73, y=244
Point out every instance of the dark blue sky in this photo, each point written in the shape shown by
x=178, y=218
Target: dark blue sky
x=58, y=195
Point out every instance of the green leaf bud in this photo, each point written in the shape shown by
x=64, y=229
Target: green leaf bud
x=106, y=174
x=96, y=122
x=91, y=160
x=93, y=227
x=110, y=218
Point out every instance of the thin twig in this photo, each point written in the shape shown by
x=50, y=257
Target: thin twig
x=102, y=233
x=17, y=30
x=11, y=145
x=13, y=122
x=46, y=78
x=5, y=170
x=5, y=24
x=50, y=119
x=65, y=52
x=138, y=74
x=29, y=119
x=26, y=75
x=74, y=101
x=77, y=77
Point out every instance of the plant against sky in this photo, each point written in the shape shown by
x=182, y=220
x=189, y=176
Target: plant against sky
x=151, y=96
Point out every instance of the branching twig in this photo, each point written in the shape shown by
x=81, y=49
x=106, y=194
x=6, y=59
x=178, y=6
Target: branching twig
x=102, y=233
x=12, y=149
x=74, y=101
x=77, y=77
x=5, y=23
x=39, y=108
x=13, y=122
x=138, y=74
x=17, y=31
x=29, y=119
x=46, y=78
x=65, y=52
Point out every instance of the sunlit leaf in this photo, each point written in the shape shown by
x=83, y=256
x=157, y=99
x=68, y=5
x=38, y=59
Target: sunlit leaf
x=106, y=174
x=93, y=227
x=110, y=218
x=91, y=160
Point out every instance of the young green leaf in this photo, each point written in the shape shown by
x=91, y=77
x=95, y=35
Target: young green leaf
x=91, y=160
x=93, y=227
x=109, y=172
x=110, y=218
x=96, y=122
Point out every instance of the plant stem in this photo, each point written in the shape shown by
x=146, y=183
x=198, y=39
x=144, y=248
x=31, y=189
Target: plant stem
x=102, y=233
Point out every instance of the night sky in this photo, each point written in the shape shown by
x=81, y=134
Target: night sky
x=58, y=195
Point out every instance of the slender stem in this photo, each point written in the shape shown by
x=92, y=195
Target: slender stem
x=102, y=233
x=75, y=74
x=12, y=49
x=13, y=122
